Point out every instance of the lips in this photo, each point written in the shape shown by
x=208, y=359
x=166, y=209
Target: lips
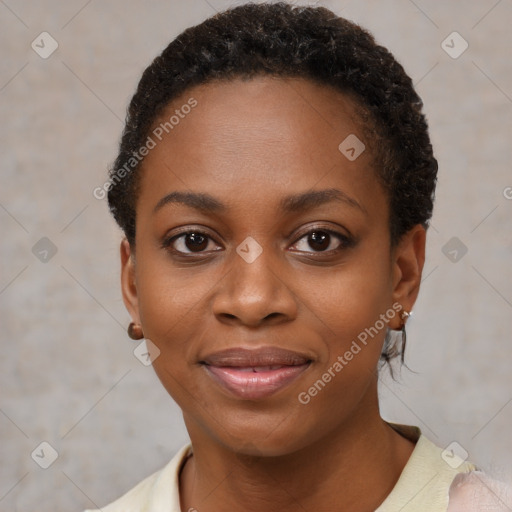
x=255, y=374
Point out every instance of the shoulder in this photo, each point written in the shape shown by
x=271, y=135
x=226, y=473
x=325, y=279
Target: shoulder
x=426, y=478
x=159, y=491
x=476, y=491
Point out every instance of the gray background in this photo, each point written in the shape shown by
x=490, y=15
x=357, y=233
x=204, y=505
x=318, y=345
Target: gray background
x=68, y=373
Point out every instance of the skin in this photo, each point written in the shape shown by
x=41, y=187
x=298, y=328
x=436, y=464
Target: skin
x=250, y=144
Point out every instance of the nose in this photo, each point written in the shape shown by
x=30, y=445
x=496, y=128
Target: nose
x=255, y=293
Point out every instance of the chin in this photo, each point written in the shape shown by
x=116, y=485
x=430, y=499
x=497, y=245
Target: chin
x=262, y=438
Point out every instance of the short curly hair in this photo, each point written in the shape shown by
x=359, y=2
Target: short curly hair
x=283, y=40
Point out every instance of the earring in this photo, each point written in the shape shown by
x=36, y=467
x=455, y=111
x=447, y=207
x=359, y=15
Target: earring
x=135, y=331
x=404, y=316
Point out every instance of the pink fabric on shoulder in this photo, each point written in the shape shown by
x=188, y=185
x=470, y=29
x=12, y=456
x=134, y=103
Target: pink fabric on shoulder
x=475, y=491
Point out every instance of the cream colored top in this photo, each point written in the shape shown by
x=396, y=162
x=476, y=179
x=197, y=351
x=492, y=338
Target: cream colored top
x=423, y=485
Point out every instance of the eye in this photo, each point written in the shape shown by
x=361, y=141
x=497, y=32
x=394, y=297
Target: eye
x=189, y=242
x=323, y=240
x=319, y=239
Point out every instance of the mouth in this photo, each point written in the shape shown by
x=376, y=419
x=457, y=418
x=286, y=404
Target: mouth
x=255, y=374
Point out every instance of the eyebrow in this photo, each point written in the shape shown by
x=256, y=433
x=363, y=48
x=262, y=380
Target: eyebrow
x=290, y=204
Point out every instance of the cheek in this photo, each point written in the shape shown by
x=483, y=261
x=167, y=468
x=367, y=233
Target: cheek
x=352, y=308
x=349, y=305
x=174, y=312
x=170, y=297
x=349, y=299
x=173, y=317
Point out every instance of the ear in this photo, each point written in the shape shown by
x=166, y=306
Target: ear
x=128, y=287
x=408, y=260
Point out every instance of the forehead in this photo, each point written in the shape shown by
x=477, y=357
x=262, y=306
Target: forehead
x=265, y=133
x=266, y=108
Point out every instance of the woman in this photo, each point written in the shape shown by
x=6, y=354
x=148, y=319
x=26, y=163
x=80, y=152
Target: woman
x=274, y=184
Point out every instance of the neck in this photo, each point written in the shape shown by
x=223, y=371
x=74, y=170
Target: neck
x=355, y=466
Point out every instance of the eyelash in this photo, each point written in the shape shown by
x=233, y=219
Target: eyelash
x=345, y=241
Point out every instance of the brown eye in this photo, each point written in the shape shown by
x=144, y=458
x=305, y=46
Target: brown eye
x=322, y=240
x=195, y=241
x=319, y=240
x=188, y=243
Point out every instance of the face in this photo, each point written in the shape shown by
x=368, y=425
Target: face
x=263, y=270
